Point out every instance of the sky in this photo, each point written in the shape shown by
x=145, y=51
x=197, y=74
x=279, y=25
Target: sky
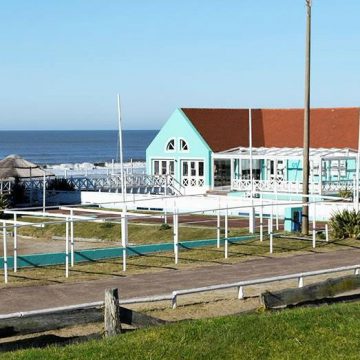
x=63, y=62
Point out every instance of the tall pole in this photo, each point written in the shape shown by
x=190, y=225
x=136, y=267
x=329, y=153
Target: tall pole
x=356, y=192
x=305, y=210
x=123, y=185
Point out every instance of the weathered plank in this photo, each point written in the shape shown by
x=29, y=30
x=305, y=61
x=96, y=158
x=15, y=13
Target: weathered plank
x=61, y=319
x=310, y=293
x=112, y=325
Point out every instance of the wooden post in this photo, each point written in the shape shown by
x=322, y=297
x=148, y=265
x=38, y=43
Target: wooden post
x=112, y=325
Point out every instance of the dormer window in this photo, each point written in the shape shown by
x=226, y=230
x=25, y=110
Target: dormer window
x=170, y=145
x=183, y=145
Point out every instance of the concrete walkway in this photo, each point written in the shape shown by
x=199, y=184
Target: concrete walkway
x=164, y=282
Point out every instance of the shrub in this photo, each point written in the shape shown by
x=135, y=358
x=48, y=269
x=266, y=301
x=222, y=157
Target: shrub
x=60, y=184
x=345, y=224
x=165, y=226
x=4, y=203
x=345, y=193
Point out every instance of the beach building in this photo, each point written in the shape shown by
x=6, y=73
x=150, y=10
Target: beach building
x=210, y=149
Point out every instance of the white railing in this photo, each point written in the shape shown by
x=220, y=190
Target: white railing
x=277, y=185
x=241, y=284
x=113, y=183
x=175, y=294
x=5, y=186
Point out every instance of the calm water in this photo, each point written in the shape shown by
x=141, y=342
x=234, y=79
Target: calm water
x=57, y=147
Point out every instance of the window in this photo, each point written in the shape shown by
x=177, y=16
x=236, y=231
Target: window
x=185, y=168
x=201, y=168
x=156, y=167
x=183, y=145
x=170, y=145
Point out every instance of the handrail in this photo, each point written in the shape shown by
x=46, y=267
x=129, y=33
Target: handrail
x=174, y=295
x=241, y=284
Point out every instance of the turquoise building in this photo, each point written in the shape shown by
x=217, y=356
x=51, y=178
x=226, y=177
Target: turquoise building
x=236, y=149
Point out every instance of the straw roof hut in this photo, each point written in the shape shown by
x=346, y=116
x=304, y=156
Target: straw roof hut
x=14, y=166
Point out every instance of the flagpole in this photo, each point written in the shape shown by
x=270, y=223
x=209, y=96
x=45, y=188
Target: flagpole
x=123, y=187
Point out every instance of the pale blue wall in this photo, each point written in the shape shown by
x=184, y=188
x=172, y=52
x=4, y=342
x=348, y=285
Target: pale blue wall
x=178, y=126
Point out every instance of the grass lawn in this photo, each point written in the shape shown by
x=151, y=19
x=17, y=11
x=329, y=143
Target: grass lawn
x=327, y=332
x=138, y=233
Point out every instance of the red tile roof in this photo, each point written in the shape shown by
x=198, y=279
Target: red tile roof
x=224, y=129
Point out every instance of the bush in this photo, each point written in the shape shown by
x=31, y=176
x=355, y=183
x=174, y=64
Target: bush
x=345, y=193
x=165, y=226
x=4, y=203
x=345, y=224
x=60, y=184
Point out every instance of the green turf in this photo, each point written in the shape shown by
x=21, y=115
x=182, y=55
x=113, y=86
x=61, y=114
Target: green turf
x=138, y=233
x=328, y=332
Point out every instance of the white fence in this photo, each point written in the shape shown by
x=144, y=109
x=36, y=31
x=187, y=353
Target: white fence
x=278, y=185
x=175, y=294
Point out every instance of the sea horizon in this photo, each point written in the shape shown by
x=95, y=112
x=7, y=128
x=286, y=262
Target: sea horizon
x=53, y=147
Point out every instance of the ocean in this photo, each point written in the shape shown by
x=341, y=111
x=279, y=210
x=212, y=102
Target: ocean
x=59, y=147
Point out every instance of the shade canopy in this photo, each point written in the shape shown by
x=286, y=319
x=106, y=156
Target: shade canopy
x=14, y=166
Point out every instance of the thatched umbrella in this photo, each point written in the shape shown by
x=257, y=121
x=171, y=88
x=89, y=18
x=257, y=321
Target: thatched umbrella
x=14, y=166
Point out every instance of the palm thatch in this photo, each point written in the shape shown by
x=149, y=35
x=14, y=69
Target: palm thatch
x=14, y=166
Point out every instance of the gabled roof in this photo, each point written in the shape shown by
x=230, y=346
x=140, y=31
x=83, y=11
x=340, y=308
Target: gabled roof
x=225, y=129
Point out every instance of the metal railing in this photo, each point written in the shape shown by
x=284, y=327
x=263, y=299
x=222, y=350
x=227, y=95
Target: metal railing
x=175, y=294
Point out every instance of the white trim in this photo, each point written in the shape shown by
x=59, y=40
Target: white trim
x=167, y=143
x=187, y=144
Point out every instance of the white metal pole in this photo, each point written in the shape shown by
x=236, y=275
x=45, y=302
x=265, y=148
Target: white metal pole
x=44, y=192
x=261, y=221
x=176, y=236
x=250, y=153
x=15, y=243
x=226, y=233
x=357, y=167
x=123, y=185
x=314, y=225
x=277, y=212
x=218, y=229
x=124, y=235
x=327, y=232
x=5, y=252
x=72, y=237
x=271, y=243
x=67, y=248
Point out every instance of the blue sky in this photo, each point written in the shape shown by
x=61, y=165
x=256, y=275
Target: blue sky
x=62, y=62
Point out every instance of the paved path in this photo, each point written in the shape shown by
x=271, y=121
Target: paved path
x=39, y=297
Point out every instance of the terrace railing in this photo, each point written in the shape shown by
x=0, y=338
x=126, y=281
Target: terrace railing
x=134, y=183
x=277, y=185
x=5, y=187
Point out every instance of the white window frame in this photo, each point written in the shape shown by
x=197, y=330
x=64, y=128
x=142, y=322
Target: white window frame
x=167, y=144
x=186, y=143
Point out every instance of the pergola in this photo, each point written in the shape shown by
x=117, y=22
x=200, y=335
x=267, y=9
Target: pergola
x=324, y=162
